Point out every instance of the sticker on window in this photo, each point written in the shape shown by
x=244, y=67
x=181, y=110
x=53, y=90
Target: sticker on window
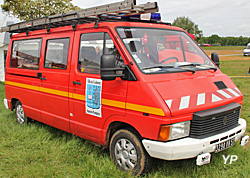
x=93, y=97
x=137, y=59
x=151, y=70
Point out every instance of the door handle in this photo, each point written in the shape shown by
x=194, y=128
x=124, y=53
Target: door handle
x=43, y=78
x=76, y=83
x=39, y=75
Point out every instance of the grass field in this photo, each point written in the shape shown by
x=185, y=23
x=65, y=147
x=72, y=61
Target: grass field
x=223, y=47
x=38, y=150
x=227, y=52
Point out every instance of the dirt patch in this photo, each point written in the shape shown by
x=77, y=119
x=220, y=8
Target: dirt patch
x=229, y=52
x=228, y=58
x=224, y=52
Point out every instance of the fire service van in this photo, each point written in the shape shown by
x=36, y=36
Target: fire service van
x=118, y=76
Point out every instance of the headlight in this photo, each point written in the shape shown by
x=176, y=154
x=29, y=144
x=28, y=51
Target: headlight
x=174, y=131
x=179, y=130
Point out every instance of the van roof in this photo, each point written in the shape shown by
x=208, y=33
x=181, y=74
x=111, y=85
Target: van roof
x=104, y=24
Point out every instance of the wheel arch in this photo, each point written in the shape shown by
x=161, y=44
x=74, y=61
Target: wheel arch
x=117, y=125
x=13, y=103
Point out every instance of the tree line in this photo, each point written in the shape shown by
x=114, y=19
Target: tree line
x=187, y=24
x=224, y=41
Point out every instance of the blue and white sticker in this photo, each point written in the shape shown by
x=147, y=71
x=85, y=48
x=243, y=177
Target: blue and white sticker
x=93, y=97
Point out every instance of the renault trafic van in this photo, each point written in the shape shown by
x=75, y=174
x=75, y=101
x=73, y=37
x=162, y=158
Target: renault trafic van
x=140, y=88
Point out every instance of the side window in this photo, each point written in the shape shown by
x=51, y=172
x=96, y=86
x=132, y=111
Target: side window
x=26, y=54
x=92, y=47
x=57, y=53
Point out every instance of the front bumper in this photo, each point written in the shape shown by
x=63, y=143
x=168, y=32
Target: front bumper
x=246, y=53
x=191, y=147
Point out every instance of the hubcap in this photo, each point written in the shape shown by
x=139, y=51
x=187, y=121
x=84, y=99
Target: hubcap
x=20, y=114
x=125, y=154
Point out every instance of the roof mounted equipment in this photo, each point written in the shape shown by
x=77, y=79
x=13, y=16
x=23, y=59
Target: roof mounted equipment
x=114, y=10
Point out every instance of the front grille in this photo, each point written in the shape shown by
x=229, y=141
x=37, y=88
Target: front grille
x=214, y=121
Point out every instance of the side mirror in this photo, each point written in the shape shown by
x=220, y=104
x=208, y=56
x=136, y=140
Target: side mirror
x=215, y=58
x=108, y=69
x=107, y=64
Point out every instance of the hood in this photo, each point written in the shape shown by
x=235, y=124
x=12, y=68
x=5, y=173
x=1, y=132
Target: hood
x=191, y=95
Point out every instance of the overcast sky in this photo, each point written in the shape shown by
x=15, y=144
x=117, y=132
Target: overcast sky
x=222, y=17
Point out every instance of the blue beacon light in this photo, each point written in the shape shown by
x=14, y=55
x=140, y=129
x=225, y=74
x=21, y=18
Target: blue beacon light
x=151, y=16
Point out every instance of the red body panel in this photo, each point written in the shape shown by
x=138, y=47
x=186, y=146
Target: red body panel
x=144, y=104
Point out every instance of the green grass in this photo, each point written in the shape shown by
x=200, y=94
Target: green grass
x=38, y=150
x=235, y=67
x=223, y=47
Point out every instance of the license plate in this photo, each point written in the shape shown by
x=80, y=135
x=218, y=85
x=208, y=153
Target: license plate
x=224, y=145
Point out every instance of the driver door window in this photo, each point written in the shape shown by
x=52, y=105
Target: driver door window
x=92, y=47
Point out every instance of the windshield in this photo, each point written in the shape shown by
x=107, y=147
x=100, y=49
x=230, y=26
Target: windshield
x=161, y=50
x=248, y=46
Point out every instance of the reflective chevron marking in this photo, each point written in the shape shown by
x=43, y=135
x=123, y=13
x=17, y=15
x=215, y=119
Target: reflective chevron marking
x=169, y=103
x=237, y=89
x=224, y=94
x=233, y=92
x=201, y=98
x=215, y=98
x=186, y=102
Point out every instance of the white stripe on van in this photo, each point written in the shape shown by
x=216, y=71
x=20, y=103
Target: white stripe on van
x=169, y=103
x=233, y=92
x=224, y=94
x=201, y=98
x=184, y=102
x=215, y=98
x=237, y=89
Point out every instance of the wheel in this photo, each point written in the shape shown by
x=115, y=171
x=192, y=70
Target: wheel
x=20, y=115
x=169, y=59
x=128, y=154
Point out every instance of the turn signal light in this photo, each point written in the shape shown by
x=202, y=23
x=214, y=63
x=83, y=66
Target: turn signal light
x=164, y=133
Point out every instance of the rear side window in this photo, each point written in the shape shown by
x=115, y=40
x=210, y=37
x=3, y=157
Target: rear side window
x=57, y=53
x=26, y=54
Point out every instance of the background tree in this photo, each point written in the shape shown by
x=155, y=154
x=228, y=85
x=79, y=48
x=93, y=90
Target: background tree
x=214, y=39
x=32, y=9
x=225, y=41
x=188, y=25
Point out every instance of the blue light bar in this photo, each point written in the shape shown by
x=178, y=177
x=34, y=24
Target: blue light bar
x=150, y=16
x=156, y=16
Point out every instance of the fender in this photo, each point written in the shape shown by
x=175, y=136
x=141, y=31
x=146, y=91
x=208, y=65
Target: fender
x=108, y=122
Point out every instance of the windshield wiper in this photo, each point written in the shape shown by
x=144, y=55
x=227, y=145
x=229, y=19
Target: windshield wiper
x=214, y=68
x=158, y=66
x=187, y=69
x=209, y=67
x=181, y=66
x=184, y=64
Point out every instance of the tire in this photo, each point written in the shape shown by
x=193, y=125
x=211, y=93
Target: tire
x=20, y=115
x=128, y=154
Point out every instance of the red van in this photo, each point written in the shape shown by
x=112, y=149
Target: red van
x=140, y=88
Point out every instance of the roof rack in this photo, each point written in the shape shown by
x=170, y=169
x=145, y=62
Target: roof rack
x=113, y=10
